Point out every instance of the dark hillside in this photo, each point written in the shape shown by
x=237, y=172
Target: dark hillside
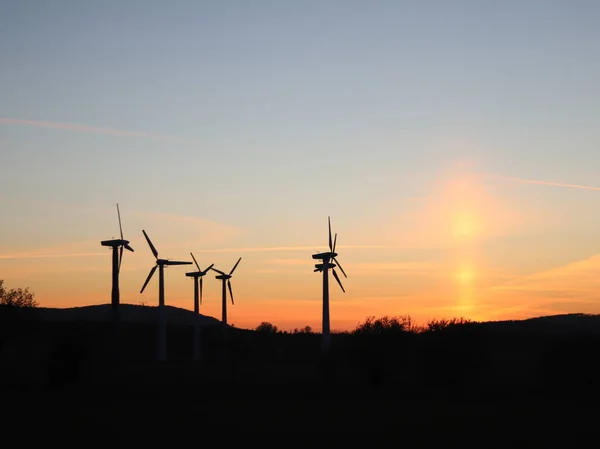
x=504, y=378
x=47, y=347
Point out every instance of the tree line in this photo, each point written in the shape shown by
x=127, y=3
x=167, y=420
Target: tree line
x=16, y=297
x=384, y=325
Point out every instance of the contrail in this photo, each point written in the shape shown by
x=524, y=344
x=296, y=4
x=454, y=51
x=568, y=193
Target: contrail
x=91, y=129
x=547, y=183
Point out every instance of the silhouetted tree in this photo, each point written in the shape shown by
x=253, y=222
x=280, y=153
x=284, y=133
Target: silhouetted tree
x=20, y=297
x=385, y=324
x=443, y=324
x=266, y=328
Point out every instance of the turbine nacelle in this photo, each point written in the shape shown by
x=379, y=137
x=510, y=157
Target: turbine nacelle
x=117, y=246
x=199, y=273
x=328, y=256
x=196, y=274
x=117, y=242
x=323, y=256
x=222, y=276
x=166, y=262
x=159, y=262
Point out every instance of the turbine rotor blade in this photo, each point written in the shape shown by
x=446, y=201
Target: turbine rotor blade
x=330, y=244
x=230, y=292
x=334, y=242
x=206, y=271
x=235, y=266
x=150, y=244
x=218, y=271
x=119, y=215
x=195, y=261
x=200, y=289
x=120, y=257
x=338, y=279
x=129, y=248
x=148, y=278
x=178, y=262
x=340, y=267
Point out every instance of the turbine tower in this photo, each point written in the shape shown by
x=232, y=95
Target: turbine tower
x=117, y=246
x=162, y=321
x=225, y=278
x=324, y=266
x=197, y=275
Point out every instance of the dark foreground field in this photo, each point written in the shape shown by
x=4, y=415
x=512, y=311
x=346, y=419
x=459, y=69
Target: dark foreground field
x=509, y=385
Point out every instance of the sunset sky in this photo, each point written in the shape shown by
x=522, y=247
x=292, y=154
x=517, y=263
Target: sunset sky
x=455, y=145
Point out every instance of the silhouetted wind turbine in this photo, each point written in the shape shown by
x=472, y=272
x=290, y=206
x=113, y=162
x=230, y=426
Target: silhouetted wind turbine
x=162, y=322
x=324, y=266
x=197, y=275
x=117, y=246
x=226, y=278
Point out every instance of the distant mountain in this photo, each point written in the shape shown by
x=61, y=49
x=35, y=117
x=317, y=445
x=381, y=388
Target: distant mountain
x=128, y=312
x=573, y=323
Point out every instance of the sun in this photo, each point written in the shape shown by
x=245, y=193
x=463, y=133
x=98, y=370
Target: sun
x=464, y=224
x=465, y=276
x=464, y=203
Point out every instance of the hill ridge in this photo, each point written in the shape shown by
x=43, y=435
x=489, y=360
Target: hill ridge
x=133, y=313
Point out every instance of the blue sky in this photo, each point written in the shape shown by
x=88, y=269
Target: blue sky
x=271, y=115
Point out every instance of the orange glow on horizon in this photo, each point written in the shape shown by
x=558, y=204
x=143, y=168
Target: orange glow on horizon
x=431, y=266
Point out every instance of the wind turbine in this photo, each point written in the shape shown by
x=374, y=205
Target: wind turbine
x=117, y=246
x=197, y=275
x=324, y=266
x=226, y=277
x=162, y=322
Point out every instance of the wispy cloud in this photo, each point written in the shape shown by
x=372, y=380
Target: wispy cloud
x=578, y=278
x=177, y=218
x=291, y=262
x=92, y=129
x=304, y=248
x=546, y=183
x=570, y=288
x=395, y=267
x=278, y=271
x=34, y=255
x=73, y=249
x=191, y=231
x=258, y=249
x=375, y=268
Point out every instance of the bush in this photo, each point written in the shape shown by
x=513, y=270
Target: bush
x=16, y=297
x=267, y=328
x=444, y=324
